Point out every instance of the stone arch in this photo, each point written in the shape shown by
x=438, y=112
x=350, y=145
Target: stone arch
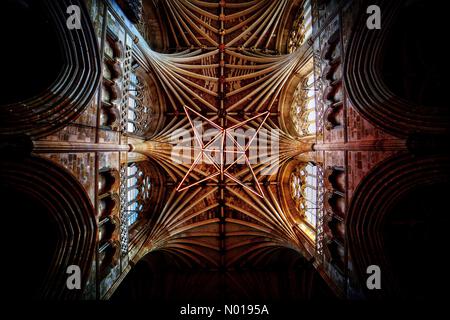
x=67, y=205
x=287, y=98
x=74, y=59
x=153, y=27
x=365, y=80
x=374, y=201
x=154, y=100
x=289, y=206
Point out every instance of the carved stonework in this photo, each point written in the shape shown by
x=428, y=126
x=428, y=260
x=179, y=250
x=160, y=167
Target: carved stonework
x=143, y=108
x=132, y=8
x=320, y=213
x=301, y=28
x=123, y=212
x=112, y=93
x=302, y=112
x=125, y=83
x=318, y=86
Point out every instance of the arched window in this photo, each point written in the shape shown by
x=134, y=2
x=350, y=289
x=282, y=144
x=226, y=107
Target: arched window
x=303, y=183
x=303, y=108
x=302, y=28
x=138, y=191
x=139, y=109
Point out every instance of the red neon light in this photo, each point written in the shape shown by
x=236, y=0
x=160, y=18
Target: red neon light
x=220, y=167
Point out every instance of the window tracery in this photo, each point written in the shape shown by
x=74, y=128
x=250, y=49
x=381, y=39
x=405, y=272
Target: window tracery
x=139, y=105
x=138, y=192
x=302, y=28
x=303, y=183
x=303, y=108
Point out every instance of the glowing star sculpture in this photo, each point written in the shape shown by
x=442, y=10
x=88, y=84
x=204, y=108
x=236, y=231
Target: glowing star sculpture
x=217, y=147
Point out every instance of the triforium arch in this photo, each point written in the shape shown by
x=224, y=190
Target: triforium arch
x=375, y=70
x=69, y=210
x=374, y=206
x=74, y=59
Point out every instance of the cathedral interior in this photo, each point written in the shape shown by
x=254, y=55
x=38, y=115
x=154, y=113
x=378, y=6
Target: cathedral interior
x=115, y=125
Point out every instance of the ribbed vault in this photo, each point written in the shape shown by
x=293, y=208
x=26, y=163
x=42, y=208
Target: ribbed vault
x=227, y=66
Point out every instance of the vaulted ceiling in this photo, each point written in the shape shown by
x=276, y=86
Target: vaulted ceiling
x=348, y=117
x=228, y=63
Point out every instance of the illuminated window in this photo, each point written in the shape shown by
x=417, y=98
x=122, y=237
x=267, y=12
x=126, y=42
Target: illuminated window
x=304, y=192
x=138, y=191
x=307, y=20
x=302, y=28
x=139, y=110
x=303, y=108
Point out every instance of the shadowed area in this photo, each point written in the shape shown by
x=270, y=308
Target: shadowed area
x=283, y=277
x=39, y=56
